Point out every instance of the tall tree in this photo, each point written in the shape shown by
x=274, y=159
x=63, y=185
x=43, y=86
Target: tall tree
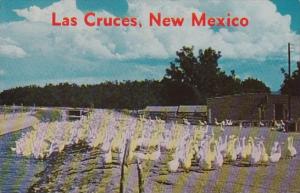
x=192, y=79
x=291, y=85
x=253, y=85
x=179, y=80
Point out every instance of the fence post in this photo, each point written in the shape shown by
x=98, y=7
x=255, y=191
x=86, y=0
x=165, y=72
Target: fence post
x=140, y=176
x=124, y=161
x=4, y=111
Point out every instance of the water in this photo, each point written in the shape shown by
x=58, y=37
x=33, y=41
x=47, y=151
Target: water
x=16, y=172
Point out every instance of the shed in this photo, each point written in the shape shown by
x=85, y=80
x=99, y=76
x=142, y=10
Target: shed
x=253, y=107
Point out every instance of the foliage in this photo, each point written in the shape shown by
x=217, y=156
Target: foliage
x=252, y=85
x=291, y=85
x=48, y=115
x=189, y=80
x=120, y=95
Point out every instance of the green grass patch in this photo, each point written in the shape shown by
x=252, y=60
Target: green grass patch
x=50, y=115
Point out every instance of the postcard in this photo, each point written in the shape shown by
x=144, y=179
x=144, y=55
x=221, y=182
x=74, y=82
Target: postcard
x=149, y=96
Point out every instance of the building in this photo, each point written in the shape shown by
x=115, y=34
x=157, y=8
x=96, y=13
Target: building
x=193, y=113
x=178, y=113
x=253, y=107
x=163, y=112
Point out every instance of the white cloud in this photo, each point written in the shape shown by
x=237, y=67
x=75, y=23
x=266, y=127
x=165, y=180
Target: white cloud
x=9, y=48
x=36, y=14
x=267, y=34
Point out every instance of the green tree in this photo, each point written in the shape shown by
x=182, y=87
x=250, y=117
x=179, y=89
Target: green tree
x=191, y=79
x=227, y=85
x=291, y=85
x=253, y=85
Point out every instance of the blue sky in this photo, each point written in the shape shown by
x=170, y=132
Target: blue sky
x=34, y=52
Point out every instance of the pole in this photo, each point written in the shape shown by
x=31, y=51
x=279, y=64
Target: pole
x=140, y=176
x=289, y=73
x=124, y=162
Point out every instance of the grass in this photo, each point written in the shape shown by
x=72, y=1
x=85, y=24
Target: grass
x=49, y=115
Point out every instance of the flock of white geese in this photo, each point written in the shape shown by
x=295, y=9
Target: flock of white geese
x=146, y=139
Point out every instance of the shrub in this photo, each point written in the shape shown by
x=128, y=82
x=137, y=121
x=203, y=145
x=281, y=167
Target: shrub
x=48, y=115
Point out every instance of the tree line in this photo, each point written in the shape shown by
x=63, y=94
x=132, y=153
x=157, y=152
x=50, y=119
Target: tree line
x=189, y=80
x=291, y=84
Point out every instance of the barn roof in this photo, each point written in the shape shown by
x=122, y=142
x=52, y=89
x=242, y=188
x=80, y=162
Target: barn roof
x=161, y=109
x=192, y=108
x=181, y=108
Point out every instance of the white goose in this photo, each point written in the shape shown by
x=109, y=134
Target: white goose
x=209, y=156
x=173, y=165
x=221, y=124
x=275, y=156
x=186, y=122
x=202, y=123
x=223, y=146
x=202, y=149
x=247, y=149
x=231, y=151
x=274, y=147
x=255, y=155
x=219, y=160
x=292, y=152
x=155, y=155
x=108, y=157
x=264, y=155
x=238, y=149
x=261, y=124
x=140, y=155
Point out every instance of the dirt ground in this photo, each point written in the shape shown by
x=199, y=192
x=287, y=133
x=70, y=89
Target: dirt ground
x=15, y=122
